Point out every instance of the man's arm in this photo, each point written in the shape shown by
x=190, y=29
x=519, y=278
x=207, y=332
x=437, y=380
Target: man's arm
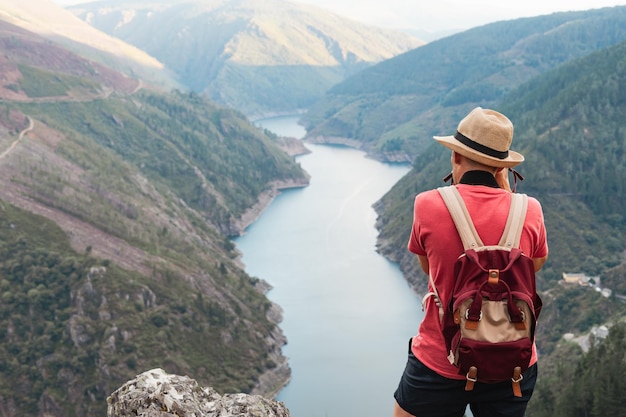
x=423, y=262
x=537, y=261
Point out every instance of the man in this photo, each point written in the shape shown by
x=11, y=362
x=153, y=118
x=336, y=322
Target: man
x=430, y=386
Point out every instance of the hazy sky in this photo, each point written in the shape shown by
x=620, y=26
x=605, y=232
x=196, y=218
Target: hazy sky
x=436, y=15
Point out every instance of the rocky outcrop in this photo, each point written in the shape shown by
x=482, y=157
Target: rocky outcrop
x=237, y=227
x=272, y=380
x=156, y=393
x=292, y=146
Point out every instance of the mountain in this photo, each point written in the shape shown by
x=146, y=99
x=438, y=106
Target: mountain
x=392, y=109
x=430, y=36
x=258, y=56
x=58, y=25
x=116, y=203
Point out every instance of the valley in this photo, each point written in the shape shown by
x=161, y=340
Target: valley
x=131, y=162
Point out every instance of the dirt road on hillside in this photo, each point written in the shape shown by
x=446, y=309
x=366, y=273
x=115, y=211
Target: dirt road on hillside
x=80, y=233
x=30, y=127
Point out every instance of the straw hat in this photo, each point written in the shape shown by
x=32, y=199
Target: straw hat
x=484, y=136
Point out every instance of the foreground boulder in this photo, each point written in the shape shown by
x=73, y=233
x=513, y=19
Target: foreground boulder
x=156, y=393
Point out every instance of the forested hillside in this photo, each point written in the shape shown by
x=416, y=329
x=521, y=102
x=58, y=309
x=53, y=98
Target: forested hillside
x=260, y=57
x=585, y=385
x=209, y=157
x=116, y=203
x=392, y=109
x=568, y=124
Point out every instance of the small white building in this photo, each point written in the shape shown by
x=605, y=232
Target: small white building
x=600, y=332
x=573, y=278
x=581, y=279
x=606, y=292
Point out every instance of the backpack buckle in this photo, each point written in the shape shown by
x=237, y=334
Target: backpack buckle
x=471, y=378
x=472, y=323
x=494, y=276
x=517, y=378
x=467, y=317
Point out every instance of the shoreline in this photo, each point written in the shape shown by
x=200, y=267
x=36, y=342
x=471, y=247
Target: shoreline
x=271, y=381
x=265, y=199
x=397, y=157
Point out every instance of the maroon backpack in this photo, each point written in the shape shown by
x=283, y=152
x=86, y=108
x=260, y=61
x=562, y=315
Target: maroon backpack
x=489, y=322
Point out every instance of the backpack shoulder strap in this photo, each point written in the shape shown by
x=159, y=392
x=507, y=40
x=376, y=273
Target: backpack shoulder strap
x=515, y=222
x=460, y=215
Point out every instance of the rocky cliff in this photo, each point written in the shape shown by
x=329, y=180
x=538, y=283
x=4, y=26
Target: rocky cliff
x=156, y=393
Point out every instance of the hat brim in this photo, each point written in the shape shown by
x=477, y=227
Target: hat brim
x=451, y=142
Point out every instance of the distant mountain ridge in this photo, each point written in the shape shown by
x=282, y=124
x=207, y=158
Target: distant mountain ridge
x=28, y=52
x=258, y=56
x=392, y=109
x=60, y=26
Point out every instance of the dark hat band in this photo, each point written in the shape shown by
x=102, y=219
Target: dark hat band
x=480, y=148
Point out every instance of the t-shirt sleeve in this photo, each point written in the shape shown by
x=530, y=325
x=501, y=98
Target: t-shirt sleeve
x=540, y=248
x=415, y=243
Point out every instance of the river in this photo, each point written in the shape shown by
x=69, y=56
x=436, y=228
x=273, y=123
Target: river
x=348, y=312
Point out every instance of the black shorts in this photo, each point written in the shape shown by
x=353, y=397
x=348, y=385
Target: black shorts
x=424, y=393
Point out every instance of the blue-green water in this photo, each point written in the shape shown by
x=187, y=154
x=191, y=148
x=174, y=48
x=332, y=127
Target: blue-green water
x=348, y=312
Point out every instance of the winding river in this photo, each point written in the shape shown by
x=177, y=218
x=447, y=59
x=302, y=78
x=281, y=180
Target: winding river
x=348, y=312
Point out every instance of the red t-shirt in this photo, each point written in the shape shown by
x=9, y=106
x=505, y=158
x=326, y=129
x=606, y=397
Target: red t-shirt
x=434, y=235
